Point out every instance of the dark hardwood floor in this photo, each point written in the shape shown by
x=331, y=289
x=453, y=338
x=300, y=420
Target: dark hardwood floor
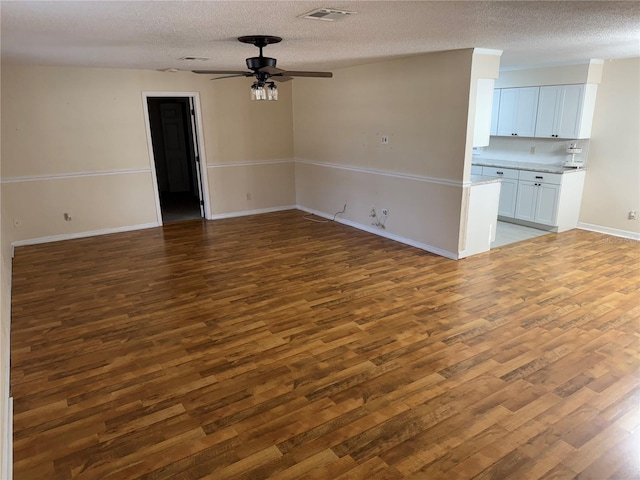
x=274, y=347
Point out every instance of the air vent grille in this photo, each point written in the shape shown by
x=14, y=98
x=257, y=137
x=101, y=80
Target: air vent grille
x=327, y=14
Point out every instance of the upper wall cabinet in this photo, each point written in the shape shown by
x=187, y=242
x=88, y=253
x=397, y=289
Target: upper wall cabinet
x=494, y=111
x=484, y=101
x=517, y=111
x=565, y=111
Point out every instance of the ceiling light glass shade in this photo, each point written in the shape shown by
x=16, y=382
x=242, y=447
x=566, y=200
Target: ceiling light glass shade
x=258, y=92
x=272, y=92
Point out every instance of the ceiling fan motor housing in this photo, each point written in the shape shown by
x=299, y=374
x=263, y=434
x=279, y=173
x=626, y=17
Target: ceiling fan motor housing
x=256, y=63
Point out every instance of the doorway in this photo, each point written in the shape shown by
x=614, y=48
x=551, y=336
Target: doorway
x=176, y=157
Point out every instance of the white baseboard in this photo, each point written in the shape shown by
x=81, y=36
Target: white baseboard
x=72, y=236
x=609, y=231
x=382, y=233
x=244, y=213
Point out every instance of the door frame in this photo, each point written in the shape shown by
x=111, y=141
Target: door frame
x=199, y=134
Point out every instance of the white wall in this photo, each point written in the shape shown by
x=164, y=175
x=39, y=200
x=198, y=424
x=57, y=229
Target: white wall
x=612, y=186
x=558, y=75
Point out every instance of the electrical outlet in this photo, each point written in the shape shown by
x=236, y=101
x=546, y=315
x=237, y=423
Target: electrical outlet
x=633, y=215
x=385, y=211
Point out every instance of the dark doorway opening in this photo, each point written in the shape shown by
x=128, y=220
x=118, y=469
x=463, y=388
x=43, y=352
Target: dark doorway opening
x=172, y=125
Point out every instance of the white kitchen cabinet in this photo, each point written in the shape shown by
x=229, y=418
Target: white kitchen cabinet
x=537, y=197
x=508, y=189
x=565, y=111
x=537, y=202
x=495, y=111
x=517, y=111
x=483, y=119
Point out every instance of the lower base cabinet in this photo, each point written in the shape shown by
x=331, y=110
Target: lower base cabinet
x=537, y=202
x=547, y=199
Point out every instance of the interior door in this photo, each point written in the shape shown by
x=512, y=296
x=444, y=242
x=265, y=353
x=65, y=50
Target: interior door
x=176, y=152
x=192, y=117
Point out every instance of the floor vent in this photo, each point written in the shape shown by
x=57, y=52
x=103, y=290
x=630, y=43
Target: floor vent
x=327, y=14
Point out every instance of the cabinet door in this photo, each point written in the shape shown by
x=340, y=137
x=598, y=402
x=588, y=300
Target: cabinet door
x=548, y=106
x=570, y=111
x=495, y=111
x=526, y=200
x=547, y=203
x=507, y=205
x=560, y=111
x=517, y=111
x=507, y=111
x=526, y=111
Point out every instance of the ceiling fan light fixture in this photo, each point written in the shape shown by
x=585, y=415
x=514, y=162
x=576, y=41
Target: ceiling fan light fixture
x=258, y=91
x=263, y=91
x=272, y=92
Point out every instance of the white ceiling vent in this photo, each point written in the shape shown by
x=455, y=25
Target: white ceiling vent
x=327, y=14
x=199, y=59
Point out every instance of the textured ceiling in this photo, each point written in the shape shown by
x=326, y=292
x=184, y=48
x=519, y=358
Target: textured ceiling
x=155, y=34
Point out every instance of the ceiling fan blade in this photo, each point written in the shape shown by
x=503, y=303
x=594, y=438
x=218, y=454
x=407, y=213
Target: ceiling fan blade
x=272, y=70
x=307, y=74
x=228, y=76
x=222, y=72
x=280, y=78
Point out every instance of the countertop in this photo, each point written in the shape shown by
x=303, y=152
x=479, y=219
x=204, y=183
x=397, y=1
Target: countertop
x=481, y=179
x=533, y=167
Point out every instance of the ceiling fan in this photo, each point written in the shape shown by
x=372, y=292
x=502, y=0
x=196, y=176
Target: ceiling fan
x=264, y=70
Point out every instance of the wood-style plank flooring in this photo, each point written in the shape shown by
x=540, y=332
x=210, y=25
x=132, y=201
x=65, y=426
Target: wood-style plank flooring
x=275, y=347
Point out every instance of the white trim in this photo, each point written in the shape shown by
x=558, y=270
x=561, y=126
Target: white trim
x=204, y=178
x=609, y=231
x=61, y=176
x=382, y=233
x=199, y=137
x=251, y=163
x=386, y=173
x=551, y=65
x=487, y=51
x=7, y=437
x=244, y=213
x=72, y=236
x=151, y=93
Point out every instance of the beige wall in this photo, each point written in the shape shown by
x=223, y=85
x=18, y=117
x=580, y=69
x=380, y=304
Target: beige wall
x=75, y=141
x=613, y=173
x=426, y=106
x=422, y=104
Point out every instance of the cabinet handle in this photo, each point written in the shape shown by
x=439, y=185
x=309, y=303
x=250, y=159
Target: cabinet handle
x=499, y=173
x=539, y=178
